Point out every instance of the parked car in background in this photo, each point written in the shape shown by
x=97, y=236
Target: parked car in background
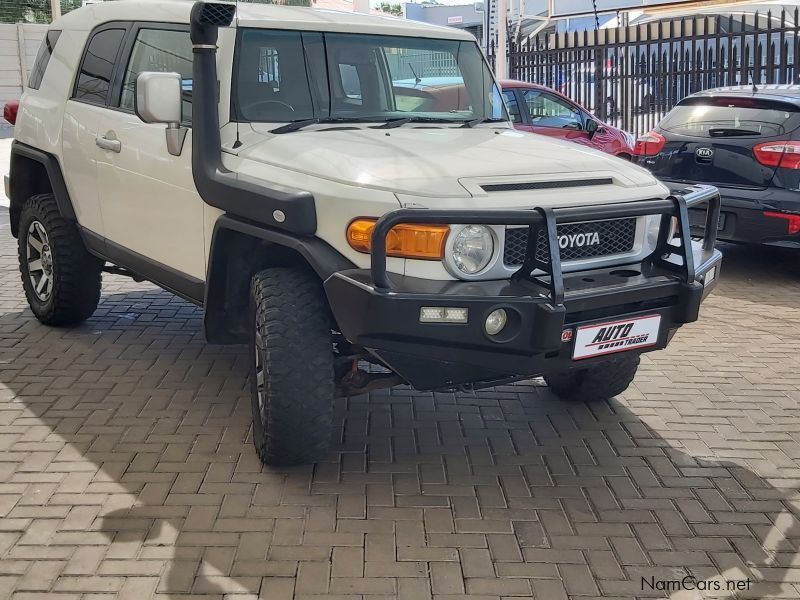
x=745, y=141
x=539, y=109
x=10, y=111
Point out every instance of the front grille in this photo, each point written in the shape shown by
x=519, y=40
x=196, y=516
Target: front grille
x=613, y=237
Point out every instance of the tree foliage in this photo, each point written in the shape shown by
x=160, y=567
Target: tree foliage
x=283, y=2
x=38, y=11
x=392, y=9
x=32, y=11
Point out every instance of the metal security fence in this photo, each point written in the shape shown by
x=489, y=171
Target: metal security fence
x=632, y=76
x=405, y=63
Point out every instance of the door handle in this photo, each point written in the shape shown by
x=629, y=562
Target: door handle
x=108, y=144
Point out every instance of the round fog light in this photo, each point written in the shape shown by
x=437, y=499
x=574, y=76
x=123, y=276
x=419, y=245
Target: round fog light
x=495, y=322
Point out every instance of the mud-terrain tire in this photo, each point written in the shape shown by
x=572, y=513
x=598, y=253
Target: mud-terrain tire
x=291, y=366
x=596, y=383
x=60, y=278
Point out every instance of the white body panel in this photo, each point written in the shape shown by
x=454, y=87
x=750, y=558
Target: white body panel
x=79, y=162
x=149, y=201
x=440, y=163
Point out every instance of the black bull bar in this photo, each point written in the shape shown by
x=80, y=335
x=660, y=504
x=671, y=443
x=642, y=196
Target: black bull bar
x=381, y=312
x=678, y=258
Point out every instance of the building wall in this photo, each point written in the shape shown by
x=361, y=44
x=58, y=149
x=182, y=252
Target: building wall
x=19, y=44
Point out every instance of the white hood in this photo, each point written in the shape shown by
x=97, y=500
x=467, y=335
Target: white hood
x=432, y=162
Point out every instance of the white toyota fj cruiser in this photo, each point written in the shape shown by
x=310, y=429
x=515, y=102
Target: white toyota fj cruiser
x=339, y=190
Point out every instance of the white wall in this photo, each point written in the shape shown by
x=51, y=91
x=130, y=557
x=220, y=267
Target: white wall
x=12, y=65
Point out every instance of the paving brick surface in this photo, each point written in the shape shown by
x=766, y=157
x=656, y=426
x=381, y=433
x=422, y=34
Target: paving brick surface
x=126, y=467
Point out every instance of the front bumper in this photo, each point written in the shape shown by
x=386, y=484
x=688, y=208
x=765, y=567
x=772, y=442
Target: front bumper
x=381, y=312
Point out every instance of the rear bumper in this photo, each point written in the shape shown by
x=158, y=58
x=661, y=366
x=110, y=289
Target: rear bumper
x=381, y=312
x=742, y=217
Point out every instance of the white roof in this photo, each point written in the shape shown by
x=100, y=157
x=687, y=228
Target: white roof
x=271, y=16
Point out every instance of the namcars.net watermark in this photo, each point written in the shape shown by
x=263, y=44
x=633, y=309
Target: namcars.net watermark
x=689, y=582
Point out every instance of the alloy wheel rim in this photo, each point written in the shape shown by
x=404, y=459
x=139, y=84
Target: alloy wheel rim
x=39, y=258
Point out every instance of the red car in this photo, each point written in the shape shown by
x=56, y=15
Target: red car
x=542, y=110
x=10, y=111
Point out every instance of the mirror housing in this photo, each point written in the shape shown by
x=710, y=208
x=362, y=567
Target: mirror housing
x=158, y=97
x=593, y=127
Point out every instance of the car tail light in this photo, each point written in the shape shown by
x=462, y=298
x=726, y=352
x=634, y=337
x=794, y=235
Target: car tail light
x=793, y=220
x=785, y=155
x=424, y=242
x=649, y=144
x=10, y=111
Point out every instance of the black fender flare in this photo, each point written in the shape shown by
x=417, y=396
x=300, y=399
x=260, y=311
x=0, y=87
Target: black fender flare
x=229, y=271
x=18, y=184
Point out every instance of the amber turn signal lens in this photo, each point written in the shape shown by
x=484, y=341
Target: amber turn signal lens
x=425, y=242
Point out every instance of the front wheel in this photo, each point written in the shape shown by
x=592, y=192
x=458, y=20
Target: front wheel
x=596, y=383
x=291, y=358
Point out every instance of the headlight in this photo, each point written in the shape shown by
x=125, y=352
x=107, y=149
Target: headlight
x=473, y=248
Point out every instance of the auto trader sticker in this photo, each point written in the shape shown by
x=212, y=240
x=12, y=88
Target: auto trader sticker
x=617, y=336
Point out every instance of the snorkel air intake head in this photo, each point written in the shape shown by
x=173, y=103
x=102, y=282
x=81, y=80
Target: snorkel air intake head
x=206, y=18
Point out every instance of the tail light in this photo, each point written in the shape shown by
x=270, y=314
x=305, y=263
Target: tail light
x=785, y=155
x=10, y=111
x=649, y=144
x=792, y=220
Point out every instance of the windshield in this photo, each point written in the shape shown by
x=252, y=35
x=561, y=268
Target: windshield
x=284, y=76
x=736, y=116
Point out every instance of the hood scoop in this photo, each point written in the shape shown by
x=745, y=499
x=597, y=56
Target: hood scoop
x=546, y=185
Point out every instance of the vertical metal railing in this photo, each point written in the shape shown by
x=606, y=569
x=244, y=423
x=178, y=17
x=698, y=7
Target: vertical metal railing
x=632, y=76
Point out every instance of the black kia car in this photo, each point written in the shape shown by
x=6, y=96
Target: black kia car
x=745, y=141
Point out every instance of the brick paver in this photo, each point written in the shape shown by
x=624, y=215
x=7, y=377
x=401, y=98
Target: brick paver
x=126, y=468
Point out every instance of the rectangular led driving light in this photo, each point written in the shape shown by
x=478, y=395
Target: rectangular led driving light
x=443, y=314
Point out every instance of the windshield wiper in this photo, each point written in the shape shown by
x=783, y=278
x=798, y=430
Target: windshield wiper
x=395, y=123
x=731, y=131
x=295, y=125
x=299, y=124
x=472, y=122
x=392, y=123
x=389, y=124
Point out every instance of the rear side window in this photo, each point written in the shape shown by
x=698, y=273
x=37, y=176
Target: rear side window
x=731, y=117
x=42, y=58
x=94, y=77
x=163, y=50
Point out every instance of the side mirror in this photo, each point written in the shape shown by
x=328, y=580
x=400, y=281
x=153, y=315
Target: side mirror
x=158, y=97
x=593, y=127
x=159, y=100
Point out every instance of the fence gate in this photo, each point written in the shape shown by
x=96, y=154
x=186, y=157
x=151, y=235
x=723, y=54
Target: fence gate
x=632, y=76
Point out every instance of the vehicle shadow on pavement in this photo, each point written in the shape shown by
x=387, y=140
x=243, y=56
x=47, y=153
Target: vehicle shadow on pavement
x=133, y=434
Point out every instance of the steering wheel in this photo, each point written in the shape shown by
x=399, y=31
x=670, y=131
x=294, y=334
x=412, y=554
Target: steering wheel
x=258, y=103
